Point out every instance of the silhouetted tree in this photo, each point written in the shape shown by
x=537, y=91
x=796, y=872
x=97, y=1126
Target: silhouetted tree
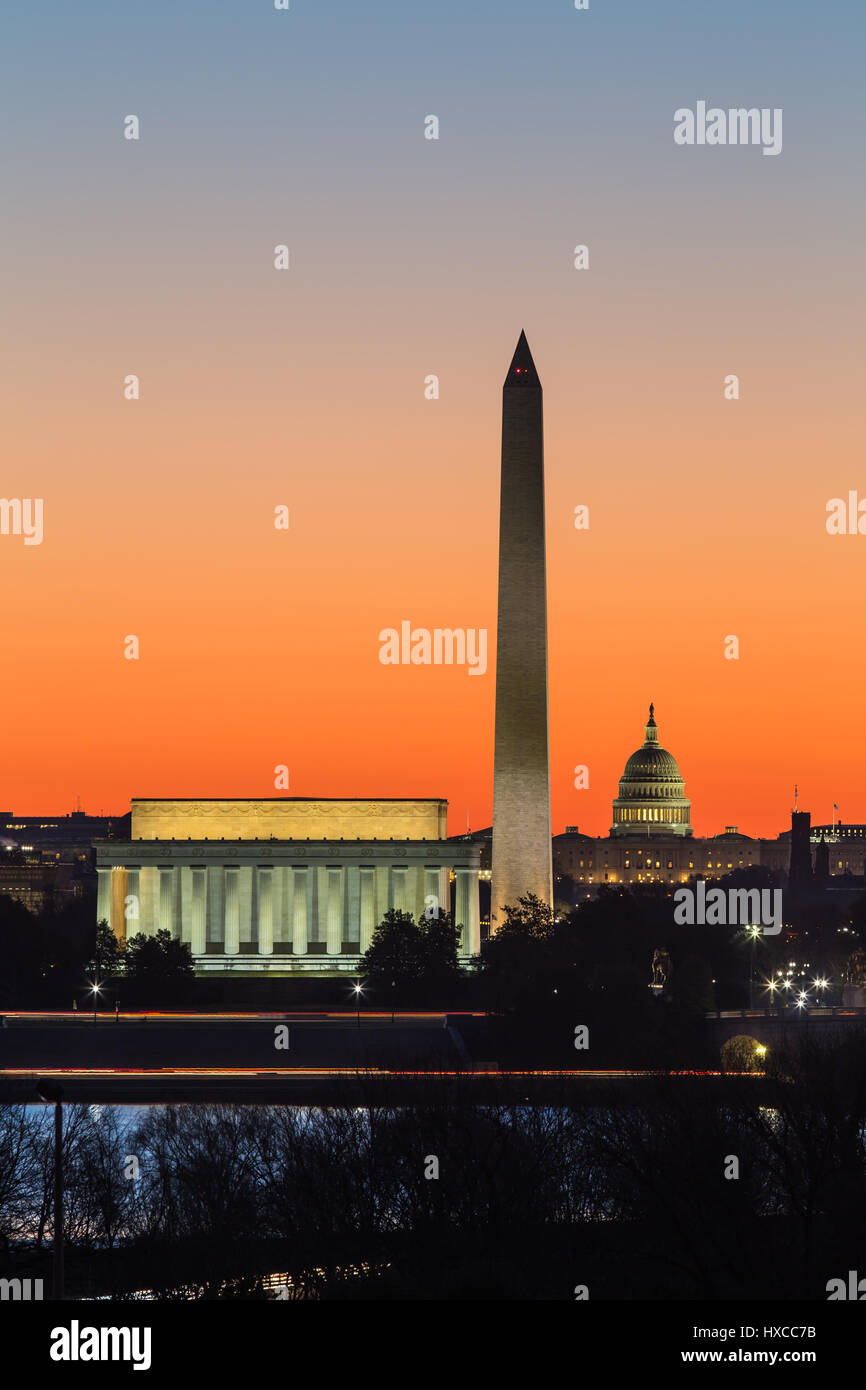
x=420, y=958
x=107, y=960
x=158, y=968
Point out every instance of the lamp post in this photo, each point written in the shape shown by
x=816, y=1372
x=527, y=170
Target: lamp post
x=358, y=992
x=95, y=991
x=51, y=1091
x=754, y=933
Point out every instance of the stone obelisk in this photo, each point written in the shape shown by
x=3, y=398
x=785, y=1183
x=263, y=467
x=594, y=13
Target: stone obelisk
x=521, y=763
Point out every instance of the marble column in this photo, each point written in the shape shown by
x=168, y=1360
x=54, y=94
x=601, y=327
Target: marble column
x=353, y=905
x=233, y=911
x=186, y=904
x=216, y=916
x=118, y=903
x=103, y=895
x=432, y=890
x=265, y=897
x=334, y=921
x=321, y=904
x=398, y=888
x=467, y=911
x=282, y=932
x=368, y=907
x=132, y=904
x=149, y=899
x=245, y=898
x=383, y=891
x=299, y=911
x=444, y=890
x=198, y=911
x=474, y=941
x=416, y=891
x=165, y=917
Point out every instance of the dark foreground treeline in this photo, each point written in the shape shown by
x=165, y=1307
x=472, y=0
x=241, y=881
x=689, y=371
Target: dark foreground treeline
x=629, y=1198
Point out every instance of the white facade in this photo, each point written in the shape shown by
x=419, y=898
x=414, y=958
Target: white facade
x=282, y=907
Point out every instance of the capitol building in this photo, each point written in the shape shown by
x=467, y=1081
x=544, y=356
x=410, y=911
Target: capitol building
x=651, y=838
x=652, y=795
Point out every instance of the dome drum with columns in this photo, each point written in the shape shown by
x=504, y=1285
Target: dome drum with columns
x=652, y=798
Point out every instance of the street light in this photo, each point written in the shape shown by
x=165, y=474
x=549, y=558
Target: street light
x=95, y=991
x=50, y=1091
x=359, y=990
x=754, y=933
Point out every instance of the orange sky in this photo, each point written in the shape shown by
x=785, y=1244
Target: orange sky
x=306, y=387
x=260, y=647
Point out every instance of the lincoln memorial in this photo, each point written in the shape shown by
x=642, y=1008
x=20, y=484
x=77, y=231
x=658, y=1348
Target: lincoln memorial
x=284, y=885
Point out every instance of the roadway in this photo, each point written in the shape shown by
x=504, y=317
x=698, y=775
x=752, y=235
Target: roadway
x=339, y=1085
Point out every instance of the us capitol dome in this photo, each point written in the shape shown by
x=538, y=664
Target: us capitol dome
x=652, y=798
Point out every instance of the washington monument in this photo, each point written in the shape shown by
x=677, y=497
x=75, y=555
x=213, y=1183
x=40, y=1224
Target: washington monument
x=521, y=761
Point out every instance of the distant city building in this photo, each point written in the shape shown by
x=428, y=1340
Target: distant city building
x=64, y=838
x=800, y=867
x=37, y=886
x=284, y=885
x=664, y=859
x=844, y=847
x=838, y=834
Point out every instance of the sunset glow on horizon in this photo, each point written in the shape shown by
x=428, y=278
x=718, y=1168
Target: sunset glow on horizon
x=306, y=388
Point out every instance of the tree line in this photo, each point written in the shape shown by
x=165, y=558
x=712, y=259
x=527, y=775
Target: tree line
x=747, y=1188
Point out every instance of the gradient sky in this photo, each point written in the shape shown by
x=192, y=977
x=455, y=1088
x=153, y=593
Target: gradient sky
x=412, y=257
